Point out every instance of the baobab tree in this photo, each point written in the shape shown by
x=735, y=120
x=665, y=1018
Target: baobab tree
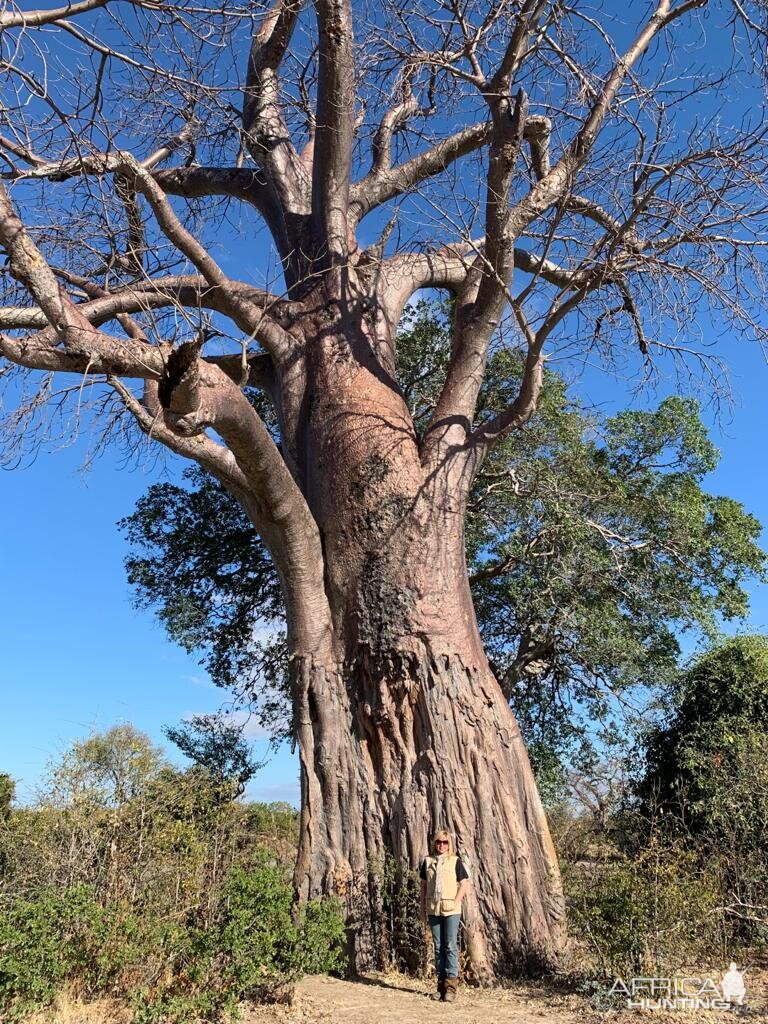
x=533, y=158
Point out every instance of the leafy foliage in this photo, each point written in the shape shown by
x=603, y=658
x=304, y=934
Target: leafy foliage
x=218, y=746
x=647, y=913
x=718, y=714
x=591, y=544
x=107, y=769
x=198, y=562
x=707, y=768
x=52, y=938
x=155, y=890
x=251, y=949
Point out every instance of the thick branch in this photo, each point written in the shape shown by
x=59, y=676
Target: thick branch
x=38, y=354
x=393, y=120
x=334, y=135
x=257, y=371
x=241, y=183
x=404, y=274
x=384, y=184
x=480, y=305
x=378, y=187
x=34, y=19
x=215, y=458
x=519, y=412
x=82, y=343
x=189, y=291
x=265, y=129
x=479, y=314
x=237, y=182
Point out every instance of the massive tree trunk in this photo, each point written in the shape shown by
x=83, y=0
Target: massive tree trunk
x=388, y=754
x=401, y=726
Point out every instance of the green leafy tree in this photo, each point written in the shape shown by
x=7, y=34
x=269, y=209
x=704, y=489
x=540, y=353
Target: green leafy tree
x=107, y=769
x=707, y=771
x=705, y=761
x=218, y=746
x=214, y=588
x=591, y=543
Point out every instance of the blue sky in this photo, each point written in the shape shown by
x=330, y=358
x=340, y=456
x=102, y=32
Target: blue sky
x=77, y=656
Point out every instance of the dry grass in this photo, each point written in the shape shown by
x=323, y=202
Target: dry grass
x=71, y=1010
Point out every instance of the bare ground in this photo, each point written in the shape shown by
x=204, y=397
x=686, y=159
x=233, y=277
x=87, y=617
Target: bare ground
x=395, y=999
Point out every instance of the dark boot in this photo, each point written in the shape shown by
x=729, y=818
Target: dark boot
x=440, y=994
x=451, y=984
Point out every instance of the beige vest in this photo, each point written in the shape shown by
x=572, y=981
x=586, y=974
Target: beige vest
x=446, y=906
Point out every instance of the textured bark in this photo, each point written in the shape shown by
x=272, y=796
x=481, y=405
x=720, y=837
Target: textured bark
x=400, y=723
x=391, y=749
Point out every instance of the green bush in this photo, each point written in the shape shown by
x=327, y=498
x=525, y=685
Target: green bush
x=253, y=947
x=53, y=939
x=255, y=950
x=646, y=913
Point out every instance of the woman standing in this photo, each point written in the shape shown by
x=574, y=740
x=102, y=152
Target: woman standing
x=444, y=883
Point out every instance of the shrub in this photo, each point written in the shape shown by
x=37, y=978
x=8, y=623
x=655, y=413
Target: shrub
x=53, y=939
x=255, y=948
x=648, y=913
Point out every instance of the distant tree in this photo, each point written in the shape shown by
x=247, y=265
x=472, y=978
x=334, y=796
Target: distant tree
x=219, y=747
x=707, y=771
x=108, y=769
x=7, y=794
x=697, y=758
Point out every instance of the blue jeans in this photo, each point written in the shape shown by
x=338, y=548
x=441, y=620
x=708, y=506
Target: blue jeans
x=445, y=935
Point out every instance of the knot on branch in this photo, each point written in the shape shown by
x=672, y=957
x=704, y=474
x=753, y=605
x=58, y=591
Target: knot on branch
x=179, y=388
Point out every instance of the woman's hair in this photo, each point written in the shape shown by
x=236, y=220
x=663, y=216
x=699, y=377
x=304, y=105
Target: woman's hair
x=442, y=833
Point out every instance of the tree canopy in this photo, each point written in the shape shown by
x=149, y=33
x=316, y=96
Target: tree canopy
x=218, y=746
x=708, y=760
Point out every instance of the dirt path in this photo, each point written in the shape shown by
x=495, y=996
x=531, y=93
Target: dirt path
x=394, y=999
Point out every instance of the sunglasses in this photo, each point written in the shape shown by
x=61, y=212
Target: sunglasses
x=442, y=842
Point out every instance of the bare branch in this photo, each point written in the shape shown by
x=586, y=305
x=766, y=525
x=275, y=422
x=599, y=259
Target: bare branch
x=69, y=325
x=334, y=133
x=404, y=274
x=263, y=123
x=393, y=120
x=379, y=187
x=250, y=319
x=188, y=291
x=34, y=19
x=556, y=181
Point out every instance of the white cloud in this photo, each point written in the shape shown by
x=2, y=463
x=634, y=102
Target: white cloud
x=200, y=681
